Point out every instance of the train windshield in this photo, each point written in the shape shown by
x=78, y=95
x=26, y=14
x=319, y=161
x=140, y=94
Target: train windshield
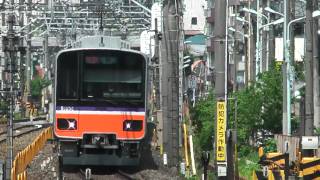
x=112, y=76
x=101, y=76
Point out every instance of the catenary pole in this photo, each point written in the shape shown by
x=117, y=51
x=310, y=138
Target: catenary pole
x=10, y=52
x=170, y=80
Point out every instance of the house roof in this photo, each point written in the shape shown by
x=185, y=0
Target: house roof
x=199, y=39
x=192, y=32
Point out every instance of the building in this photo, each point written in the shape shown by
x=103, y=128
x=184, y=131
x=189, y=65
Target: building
x=194, y=19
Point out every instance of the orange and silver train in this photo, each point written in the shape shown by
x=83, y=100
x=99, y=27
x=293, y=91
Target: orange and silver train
x=100, y=106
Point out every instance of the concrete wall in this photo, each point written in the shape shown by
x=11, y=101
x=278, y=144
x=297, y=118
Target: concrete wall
x=194, y=8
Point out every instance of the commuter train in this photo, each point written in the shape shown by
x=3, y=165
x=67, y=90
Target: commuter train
x=100, y=103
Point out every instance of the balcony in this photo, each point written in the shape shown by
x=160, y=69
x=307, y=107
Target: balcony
x=209, y=44
x=210, y=15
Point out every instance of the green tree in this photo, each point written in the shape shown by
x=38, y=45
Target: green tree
x=203, y=122
x=260, y=106
x=36, y=86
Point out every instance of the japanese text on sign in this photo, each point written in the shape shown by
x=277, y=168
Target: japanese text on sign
x=221, y=130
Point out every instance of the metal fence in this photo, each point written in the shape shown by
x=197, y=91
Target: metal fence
x=289, y=144
x=24, y=157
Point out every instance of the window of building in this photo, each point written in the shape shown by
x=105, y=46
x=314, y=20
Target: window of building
x=194, y=21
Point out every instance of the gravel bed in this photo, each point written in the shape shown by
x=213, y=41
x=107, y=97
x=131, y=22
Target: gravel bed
x=44, y=166
x=19, y=143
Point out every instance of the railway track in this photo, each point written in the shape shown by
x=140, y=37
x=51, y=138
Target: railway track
x=40, y=118
x=19, y=131
x=100, y=174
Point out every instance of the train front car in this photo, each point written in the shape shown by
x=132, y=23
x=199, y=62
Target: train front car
x=100, y=115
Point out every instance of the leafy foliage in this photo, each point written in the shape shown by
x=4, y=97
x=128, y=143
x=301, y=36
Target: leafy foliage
x=270, y=146
x=36, y=86
x=203, y=122
x=248, y=164
x=260, y=106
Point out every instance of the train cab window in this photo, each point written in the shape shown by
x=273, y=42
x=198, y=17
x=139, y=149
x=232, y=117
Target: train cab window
x=67, y=76
x=113, y=75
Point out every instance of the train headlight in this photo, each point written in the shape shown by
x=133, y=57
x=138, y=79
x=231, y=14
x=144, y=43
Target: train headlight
x=132, y=125
x=66, y=124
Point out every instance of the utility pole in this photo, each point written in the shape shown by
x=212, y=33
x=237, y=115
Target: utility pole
x=258, y=42
x=286, y=106
x=271, y=41
x=170, y=80
x=309, y=69
x=10, y=50
x=316, y=89
x=236, y=51
x=220, y=63
x=291, y=31
x=156, y=61
x=251, y=46
x=28, y=54
x=264, y=43
x=46, y=60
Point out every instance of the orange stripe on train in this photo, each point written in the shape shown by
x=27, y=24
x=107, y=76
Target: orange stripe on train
x=108, y=124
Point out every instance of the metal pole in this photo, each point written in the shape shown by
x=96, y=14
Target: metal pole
x=249, y=63
x=28, y=58
x=157, y=66
x=309, y=69
x=236, y=51
x=286, y=122
x=264, y=43
x=45, y=65
x=271, y=42
x=10, y=67
x=316, y=88
x=258, y=48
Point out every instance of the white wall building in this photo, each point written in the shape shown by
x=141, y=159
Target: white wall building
x=299, y=48
x=194, y=19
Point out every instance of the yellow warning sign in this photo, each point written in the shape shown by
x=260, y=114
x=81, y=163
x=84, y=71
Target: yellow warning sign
x=221, y=131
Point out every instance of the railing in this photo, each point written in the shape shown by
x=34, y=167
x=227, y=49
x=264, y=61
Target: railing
x=24, y=157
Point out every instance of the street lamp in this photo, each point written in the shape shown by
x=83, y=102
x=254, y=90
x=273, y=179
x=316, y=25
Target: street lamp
x=273, y=11
x=241, y=33
x=289, y=72
x=281, y=20
x=242, y=20
x=278, y=21
x=258, y=63
x=254, y=12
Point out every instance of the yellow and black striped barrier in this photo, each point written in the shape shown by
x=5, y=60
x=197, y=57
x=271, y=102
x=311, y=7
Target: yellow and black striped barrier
x=277, y=165
x=276, y=175
x=309, y=168
x=23, y=158
x=258, y=175
x=271, y=175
